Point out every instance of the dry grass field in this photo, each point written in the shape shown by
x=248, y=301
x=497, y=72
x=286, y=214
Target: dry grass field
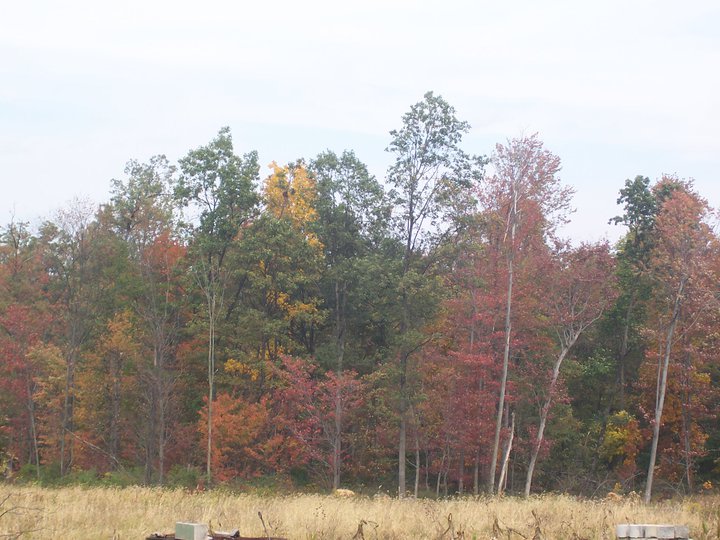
x=133, y=513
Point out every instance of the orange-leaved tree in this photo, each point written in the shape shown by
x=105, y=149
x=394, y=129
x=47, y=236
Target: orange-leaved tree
x=682, y=271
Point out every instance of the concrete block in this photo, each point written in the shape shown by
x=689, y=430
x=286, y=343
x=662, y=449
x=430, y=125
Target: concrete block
x=191, y=531
x=665, y=531
x=630, y=531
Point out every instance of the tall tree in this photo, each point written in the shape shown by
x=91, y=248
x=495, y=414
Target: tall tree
x=640, y=208
x=274, y=305
x=143, y=217
x=525, y=202
x=431, y=178
x=352, y=216
x=219, y=186
x=680, y=269
x=70, y=261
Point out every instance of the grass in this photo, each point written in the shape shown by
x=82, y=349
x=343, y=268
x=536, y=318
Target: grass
x=135, y=512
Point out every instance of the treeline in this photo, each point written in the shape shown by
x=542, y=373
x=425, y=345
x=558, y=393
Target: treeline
x=318, y=327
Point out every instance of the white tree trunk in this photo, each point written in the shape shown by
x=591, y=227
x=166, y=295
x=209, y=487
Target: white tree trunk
x=662, y=387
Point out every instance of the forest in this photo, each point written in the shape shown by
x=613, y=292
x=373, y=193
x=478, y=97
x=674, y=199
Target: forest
x=309, y=326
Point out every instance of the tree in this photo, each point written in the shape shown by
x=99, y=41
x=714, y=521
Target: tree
x=352, y=217
x=311, y=403
x=143, y=217
x=219, y=185
x=71, y=261
x=105, y=388
x=681, y=274
x=524, y=203
x=581, y=287
x=21, y=374
x=274, y=305
x=640, y=209
x=431, y=178
x=241, y=440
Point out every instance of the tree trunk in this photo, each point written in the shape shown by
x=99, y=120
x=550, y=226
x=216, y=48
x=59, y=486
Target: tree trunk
x=337, y=441
x=33, y=424
x=417, y=463
x=115, y=409
x=476, y=473
x=211, y=383
x=161, y=442
x=506, y=351
x=336, y=444
x=544, y=414
x=340, y=302
x=662, y=387
x=624, y=346
x=686, y=441
x=506, y=458
x=67, y=413
x=427, y=468
x=461, y=472
x=166, y=387
x=402, y=455
x=150, y=437
x=440, y=471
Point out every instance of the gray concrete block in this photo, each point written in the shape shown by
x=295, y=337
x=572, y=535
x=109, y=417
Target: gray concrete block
x=629, y=531
x=191, y=531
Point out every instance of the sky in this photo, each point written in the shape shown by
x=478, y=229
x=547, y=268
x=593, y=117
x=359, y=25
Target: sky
x=614, y=88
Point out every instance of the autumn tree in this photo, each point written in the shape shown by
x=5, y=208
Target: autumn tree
x=246, y=443
x=70, y=260
x=310, y=402
x=581, y=286
x=143, y=217
x=681, y=273
x=106, y=390
x=458, y=371
x=524, y=202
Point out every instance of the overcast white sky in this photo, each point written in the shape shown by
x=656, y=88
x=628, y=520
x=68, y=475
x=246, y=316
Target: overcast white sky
x=615, y=88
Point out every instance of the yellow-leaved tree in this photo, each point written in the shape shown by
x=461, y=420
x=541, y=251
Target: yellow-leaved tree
x=290, y=193
x=281, y=259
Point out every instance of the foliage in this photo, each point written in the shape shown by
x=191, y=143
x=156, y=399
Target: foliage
x=319, y=327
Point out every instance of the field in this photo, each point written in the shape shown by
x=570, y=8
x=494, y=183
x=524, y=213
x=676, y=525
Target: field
x=133, y=513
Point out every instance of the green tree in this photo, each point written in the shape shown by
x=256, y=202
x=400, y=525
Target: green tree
x=353, y=214
x=640, y=208
x=431, y=179
x=218, y=186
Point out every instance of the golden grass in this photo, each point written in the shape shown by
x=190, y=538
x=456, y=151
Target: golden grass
x=134, y=513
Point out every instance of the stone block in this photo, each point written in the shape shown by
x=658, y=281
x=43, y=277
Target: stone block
x=191, y=531
x=631, y=531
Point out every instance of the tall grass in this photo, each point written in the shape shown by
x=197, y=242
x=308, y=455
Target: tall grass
x=135, y=512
